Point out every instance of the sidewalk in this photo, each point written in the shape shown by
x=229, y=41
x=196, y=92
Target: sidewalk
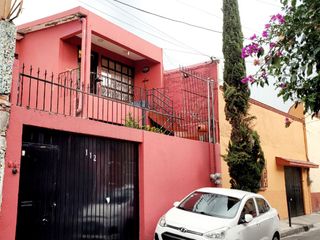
x=299, y=224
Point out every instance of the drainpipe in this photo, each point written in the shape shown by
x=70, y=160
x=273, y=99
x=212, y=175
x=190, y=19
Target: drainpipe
x=82, y=64
x=216, y=167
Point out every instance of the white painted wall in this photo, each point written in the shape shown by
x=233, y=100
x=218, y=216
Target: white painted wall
x=313, y=146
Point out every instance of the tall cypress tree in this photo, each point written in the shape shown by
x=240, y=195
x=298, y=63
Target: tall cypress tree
x=244, y=156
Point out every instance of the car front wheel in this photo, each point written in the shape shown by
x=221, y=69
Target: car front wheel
x=276, y=237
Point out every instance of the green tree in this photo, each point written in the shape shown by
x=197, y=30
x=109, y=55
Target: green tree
x=289, y=50
x=244, y=157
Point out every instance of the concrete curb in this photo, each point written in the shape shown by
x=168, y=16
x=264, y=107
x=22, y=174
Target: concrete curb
x=295, y=230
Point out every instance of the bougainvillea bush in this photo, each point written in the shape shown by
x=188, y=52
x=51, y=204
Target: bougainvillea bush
x=288, y=49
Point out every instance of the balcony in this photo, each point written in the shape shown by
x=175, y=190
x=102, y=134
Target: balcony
x=109, y=101
x=112, y=103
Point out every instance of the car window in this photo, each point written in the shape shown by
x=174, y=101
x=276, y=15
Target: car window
x=263, y=206
x=249, y=208
x=211, y=204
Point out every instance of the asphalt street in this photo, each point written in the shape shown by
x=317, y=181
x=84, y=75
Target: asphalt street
x=313, y=234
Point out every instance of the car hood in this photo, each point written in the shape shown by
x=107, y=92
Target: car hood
x=200, y=223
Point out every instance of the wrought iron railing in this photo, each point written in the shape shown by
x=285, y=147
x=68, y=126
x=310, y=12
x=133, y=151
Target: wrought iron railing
x=63, y=94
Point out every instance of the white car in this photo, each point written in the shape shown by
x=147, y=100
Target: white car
x=219, y=213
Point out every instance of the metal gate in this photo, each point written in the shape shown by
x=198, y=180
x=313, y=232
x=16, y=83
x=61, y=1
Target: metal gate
x=294, y=191
x=75, y=186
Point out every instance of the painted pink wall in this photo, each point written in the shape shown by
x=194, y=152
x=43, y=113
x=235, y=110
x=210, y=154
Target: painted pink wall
x=170, y=168
x=122, y=37
x=163, y=161
x=154, y=77
x=56, y=49
x=46, y=50
x=174, y=86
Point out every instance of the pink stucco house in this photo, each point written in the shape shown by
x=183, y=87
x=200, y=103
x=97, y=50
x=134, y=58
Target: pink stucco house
x=85, y=159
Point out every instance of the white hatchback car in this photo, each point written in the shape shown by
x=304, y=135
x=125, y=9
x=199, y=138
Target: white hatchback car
x=219, y=213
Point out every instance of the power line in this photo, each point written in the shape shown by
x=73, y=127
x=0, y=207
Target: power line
x=151, y=34
x=187, y=52
x=167, y=35
x=167, y=18
x=220, y=18
x=200, y=9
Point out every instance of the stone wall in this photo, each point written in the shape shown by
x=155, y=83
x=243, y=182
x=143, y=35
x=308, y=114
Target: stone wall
x=7, y=49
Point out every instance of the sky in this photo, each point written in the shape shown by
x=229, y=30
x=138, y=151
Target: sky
x=182, y=45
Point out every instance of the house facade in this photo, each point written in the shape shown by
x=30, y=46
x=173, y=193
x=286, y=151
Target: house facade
x=95, y=148
x=312, y=128
x=282, y=137
x=312, y=136
x=287, y=166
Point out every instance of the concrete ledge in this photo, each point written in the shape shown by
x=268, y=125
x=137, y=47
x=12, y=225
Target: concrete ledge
x=296, y=229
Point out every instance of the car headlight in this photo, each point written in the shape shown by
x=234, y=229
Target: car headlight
x=162, y=221
x=216, y=234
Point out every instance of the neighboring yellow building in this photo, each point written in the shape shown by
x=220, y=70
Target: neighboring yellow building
x=285, y=153
x=312, y=135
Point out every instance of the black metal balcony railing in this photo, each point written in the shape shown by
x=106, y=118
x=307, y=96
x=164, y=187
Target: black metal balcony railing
x=66, y=96
x=139, y=108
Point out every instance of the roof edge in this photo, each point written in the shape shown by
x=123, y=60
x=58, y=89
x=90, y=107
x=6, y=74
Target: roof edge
x=77, y=11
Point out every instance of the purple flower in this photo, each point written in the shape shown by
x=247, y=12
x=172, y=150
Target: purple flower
x=267, y=26
x=250, y=49
x=278, y=18
x=248, y=79
x=244, y=53
x=272, y=44
x=244, y=80
x=264, y=75
x=265, y=34
x=283, y=85
x=254, y=36
x=279, y=53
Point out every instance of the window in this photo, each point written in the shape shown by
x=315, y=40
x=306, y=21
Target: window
x=211, y=204
x=263, y=206
x=117, y=80
x=264, y=179
x=249, y=208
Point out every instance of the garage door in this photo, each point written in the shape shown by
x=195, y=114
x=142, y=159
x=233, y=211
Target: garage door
x=74, y=186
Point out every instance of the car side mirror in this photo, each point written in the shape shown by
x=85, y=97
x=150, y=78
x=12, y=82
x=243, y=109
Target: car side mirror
x=248, y=218
x=176, y=204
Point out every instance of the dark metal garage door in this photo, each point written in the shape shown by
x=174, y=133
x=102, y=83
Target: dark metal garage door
x=294, y=191
x=75, y=186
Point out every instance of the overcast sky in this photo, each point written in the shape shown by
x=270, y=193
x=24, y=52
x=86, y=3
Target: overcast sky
x=182, y=45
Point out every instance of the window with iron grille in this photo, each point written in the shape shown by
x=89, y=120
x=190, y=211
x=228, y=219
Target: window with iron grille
x=264, y=179
x=117, y=80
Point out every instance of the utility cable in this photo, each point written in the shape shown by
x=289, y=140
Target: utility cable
x=167, y=35
x=120, y=20
x=167, y=18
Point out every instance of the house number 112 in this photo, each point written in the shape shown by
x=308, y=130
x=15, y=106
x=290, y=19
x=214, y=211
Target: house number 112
x=91, y=155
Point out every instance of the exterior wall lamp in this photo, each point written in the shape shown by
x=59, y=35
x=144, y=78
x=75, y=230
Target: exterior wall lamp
x=145, y=69
x=215, y=178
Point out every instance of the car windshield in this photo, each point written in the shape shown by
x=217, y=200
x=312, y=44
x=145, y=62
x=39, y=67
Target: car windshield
x=211, y=204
